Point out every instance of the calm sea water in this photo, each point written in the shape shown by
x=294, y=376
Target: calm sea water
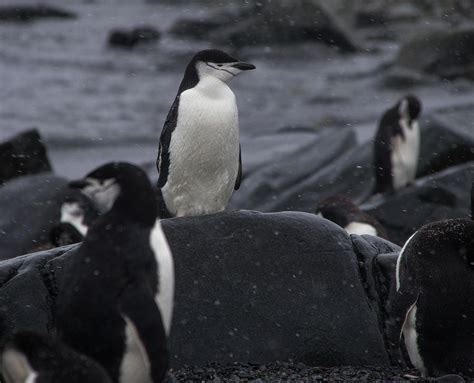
x=93, y=104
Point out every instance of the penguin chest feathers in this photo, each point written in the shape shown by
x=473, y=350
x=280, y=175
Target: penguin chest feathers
x=405, y=153
x=204, y=150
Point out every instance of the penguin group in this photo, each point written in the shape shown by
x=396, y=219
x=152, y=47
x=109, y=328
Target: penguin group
x=126, y=263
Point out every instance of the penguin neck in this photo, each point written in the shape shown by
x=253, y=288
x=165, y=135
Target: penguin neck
x=212, y=87
x=135, y=207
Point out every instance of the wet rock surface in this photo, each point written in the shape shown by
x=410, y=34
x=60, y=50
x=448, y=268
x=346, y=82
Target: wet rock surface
x=22, y=155
x=129, y=38
x=249, y=286
x=433, y=198
x=271, y=22
x=445, y=53
x=27, y=13
x=30, y=207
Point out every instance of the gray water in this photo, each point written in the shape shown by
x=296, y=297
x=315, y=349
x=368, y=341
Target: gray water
x=94, y=104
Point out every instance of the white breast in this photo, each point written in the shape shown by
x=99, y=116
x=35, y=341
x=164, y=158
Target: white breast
x=360, y=228
x=405, y=153
x=135, y=365
x=73, y=214
x=16, y=368
x=165, y=297
x=204, y=150
x=411, y=339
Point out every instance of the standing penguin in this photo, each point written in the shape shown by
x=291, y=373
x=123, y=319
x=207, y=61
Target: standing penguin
x=199, y=159
x=433, y=304
x=115, y=303
x=397, y=146
x=31, y=357
x=343, y=212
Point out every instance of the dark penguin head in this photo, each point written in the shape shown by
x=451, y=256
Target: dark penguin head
x=338, y=209
x=409, y=108
x=213, y=63
x=30, y=357
x=121, y=188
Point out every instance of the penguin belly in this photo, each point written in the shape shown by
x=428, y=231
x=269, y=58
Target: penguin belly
x=404, y=156
x=165, y=289
x=360, y=228
x=204, y=154
x=411, y=339
x=135, y=366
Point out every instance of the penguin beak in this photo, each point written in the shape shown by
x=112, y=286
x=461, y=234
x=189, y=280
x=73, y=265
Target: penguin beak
x=243, y=66
x=78, y=184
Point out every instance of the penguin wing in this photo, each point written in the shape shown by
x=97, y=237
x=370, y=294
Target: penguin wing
x=163, y=160
x=138, y=304
x=382, y=159
x=239, y=173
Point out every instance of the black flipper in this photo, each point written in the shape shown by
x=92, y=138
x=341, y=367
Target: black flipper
x=138, y=304
x=163, y=160
x=239, y=174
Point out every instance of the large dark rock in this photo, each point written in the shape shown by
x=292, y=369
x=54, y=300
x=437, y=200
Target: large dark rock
x=30, y=207
x=271, y=22
x=129, y=38
x=22, y=155
x=447, y=53
x=295, y=179
x=433, y=198
x=446, y=140
x=25, y=13
x=249, y=287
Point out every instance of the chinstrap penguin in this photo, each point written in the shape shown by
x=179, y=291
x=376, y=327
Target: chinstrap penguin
x=433, y=301
x=397, y=146
x=342, y=211
x=34, y=358
x=115, y=305
x=199, y=158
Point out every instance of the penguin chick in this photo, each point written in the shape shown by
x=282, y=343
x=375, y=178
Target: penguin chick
x=199, y=158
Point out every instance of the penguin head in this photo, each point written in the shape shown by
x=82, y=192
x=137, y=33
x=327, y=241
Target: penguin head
x=218, y=64
x=338, y=209
x=120, y=186
x=409, y=107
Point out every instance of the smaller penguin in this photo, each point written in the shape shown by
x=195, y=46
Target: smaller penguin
x=343, y=212
x=30, y=357
x=78, y=212
x=433, y=298
x=397, y=146
x=115, y=304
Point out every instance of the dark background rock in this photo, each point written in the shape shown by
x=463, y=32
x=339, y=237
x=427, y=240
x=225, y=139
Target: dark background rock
x=268, y=23
x=433, y=198
x=129, y=38
x=249, y=286
x=22, y=155
x=446, y=53
x=25, y=13
x=30, y=207
x=446, y=141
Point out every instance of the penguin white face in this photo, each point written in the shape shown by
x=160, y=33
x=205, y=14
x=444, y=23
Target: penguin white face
x=217, y=64
x=222, y=71
x=73, y=213
x=103, y=192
